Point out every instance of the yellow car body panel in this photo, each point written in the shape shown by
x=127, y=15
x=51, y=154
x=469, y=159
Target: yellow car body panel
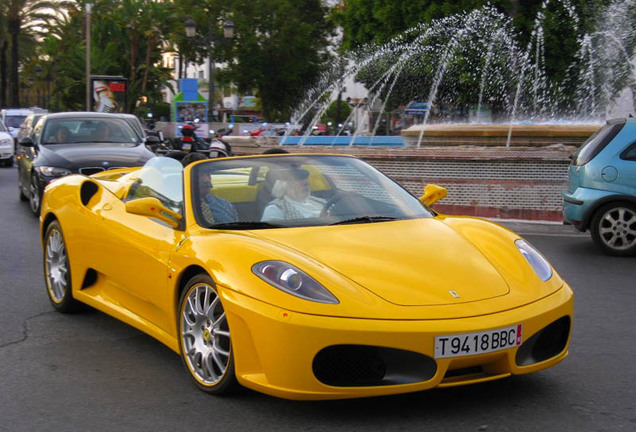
x=275, y=347
x=394, y=291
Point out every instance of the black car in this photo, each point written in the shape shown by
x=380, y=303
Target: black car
x=75, y=142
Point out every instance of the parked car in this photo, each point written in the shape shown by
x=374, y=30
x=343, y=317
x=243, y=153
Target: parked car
x=75, y=142
x=27, y=126
x=6, y=146
x=337, y=284
x=601, y=194
x=13, y=118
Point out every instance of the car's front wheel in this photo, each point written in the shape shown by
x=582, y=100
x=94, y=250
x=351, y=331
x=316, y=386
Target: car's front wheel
x=57, y=270
x=613, y=228
x=204, y=337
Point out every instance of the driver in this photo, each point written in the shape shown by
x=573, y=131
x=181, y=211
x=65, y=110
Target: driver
x=62, y=135
x=292, y=197
x=103, y=132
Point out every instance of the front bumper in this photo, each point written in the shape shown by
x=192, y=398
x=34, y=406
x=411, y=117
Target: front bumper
x=275, y=350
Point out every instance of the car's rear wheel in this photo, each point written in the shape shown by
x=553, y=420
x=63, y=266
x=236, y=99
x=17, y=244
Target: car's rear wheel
x=57, y=270
x=35, y=198
x=204, y=337
x=613, y=228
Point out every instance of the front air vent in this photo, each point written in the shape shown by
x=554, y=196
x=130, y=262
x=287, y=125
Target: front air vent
x=364, y=366
x=545, y=344
x=90, y=278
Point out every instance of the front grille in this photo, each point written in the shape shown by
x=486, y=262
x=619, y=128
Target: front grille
x=364, y=366
x=87, y=171
x=90, y=170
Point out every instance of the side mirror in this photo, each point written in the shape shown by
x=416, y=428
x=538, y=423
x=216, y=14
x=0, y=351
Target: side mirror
x=152, y=207
x=26, y=142
x=432, y=194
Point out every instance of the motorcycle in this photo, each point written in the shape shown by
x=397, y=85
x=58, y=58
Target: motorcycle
x=190, y=142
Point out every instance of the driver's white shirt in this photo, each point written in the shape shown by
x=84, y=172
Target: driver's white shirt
x=309, y=208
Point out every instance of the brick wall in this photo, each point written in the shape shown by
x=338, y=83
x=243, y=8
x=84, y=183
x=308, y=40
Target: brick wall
x=490, y=188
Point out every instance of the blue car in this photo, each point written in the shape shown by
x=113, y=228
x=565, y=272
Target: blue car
x=601, y=193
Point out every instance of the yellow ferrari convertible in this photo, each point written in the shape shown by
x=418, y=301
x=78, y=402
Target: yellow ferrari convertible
x=303, y=276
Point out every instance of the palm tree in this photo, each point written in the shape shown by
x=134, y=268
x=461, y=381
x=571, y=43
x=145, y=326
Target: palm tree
x=31, y=17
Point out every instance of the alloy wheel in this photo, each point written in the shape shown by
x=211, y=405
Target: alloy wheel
x=34, y=198
x=56, y=266
x=617, y=228
x=205, y=335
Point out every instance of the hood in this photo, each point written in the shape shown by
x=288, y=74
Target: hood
x=408, y=263
x=108, y=155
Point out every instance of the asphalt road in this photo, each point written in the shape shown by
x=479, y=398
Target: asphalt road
x=89, y=372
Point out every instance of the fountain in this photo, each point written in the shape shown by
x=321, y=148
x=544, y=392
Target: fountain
x=475, y=59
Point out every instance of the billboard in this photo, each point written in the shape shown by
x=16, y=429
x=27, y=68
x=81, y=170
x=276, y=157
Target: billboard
x=109, y=94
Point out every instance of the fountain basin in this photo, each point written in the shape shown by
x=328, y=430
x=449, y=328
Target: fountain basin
x=497, y=134
x=329, y=140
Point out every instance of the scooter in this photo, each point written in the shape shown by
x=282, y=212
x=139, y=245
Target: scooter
x=189, y=140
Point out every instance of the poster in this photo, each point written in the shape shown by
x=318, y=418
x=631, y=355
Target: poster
x=190, y=111
x=109, y=94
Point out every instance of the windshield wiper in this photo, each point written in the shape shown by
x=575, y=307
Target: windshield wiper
x=246, y=225
x=364, y=219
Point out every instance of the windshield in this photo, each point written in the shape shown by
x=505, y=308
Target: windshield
x=89, y=130
x=292, y=190
x=161, y=178
x=2, y=128
x=14, y=121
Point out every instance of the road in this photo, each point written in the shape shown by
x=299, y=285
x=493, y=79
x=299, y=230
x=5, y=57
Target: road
x=89, y=372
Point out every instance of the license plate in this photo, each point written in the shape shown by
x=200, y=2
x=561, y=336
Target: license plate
x=468, y=344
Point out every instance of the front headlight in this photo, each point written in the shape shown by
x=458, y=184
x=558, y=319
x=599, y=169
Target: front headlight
x=6, y=142
x=292, y=280
x=540, y=265
x=52, y=171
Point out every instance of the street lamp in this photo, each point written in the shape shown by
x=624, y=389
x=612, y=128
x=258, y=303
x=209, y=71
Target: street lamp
x=228, y=34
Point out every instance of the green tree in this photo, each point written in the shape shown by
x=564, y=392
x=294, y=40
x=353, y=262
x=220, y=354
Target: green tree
x=127, y=38
x=378, y=21
x=547, y=34
x=279, y=49
x=25, y=17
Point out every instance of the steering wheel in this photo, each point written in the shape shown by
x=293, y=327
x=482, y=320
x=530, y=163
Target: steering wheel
x=336, y=198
